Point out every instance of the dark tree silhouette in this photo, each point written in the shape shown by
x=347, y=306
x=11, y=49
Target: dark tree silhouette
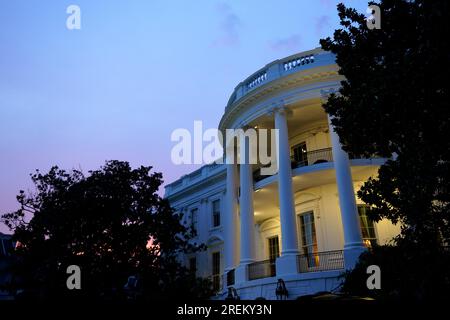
x=112, y=224
x=394, y=103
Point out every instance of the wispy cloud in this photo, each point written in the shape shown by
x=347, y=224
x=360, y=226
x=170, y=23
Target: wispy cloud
x=322, y=23
x=229, y=26
x=291, y=43
x=327, y=3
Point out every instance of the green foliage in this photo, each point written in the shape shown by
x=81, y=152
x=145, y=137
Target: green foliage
x=394, y=103
x=111, y=223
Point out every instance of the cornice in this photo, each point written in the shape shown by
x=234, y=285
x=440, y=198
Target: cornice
x=319, y=74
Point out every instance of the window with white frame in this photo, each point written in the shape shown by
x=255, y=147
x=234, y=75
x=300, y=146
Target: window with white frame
x=367, y=226
x=308, y=232
x=274, y=252
x=300, y=154
x=274, y=248
x=216, y=270
x=194, y=219
x=216, y=213
x=309, y=238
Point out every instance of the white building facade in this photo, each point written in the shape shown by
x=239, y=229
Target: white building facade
x=304, y=224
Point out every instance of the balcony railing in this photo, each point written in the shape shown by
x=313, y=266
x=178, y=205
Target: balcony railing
x=320, y=261
x=309, y=158
x=312, y=157
x=281, y=68
x=230, y=277
x=261, y=269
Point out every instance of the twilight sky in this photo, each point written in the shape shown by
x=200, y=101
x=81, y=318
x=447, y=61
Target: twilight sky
x=136, y=71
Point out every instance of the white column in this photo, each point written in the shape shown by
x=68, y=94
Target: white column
x=231, y=218
x=287, y=263
x=285, y=192
x=353, y=244
x=246, y=205
x=247, y=236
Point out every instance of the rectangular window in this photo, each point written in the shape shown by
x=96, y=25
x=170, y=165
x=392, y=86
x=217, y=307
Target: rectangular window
x=308, y=236
x=216, y=213
x=193, y=264
x=274, y=253
x=194, y=219
x=300, y=154
x=367, y=226
x=216, y=271
x=274, y=248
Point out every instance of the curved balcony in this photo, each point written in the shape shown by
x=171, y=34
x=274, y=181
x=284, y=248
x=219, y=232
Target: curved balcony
x=261, y=269
x=320, y=261
x=312, y=157
x=302, y=66
x=309, y=158
x=312, y=165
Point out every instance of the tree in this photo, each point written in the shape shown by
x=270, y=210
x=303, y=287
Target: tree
x=112, y=224
x=394, y=103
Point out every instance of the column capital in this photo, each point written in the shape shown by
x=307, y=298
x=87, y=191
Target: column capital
x=280, y=107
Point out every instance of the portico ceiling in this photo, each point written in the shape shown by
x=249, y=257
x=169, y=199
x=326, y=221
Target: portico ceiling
x=303, y=116
x=265, y=200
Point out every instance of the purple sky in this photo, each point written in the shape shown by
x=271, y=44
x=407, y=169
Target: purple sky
x=136, y=71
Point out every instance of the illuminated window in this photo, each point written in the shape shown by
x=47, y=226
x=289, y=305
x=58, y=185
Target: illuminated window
x=308, y=237
x=300, y=154
x=274, y=248
x=367, y=226
x=274, y=252
x=308, y=228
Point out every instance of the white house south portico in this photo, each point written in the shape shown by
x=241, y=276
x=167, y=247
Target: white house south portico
x=302, y=224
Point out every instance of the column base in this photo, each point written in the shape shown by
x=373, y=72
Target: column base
x=351, y=255
x=286, y=265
